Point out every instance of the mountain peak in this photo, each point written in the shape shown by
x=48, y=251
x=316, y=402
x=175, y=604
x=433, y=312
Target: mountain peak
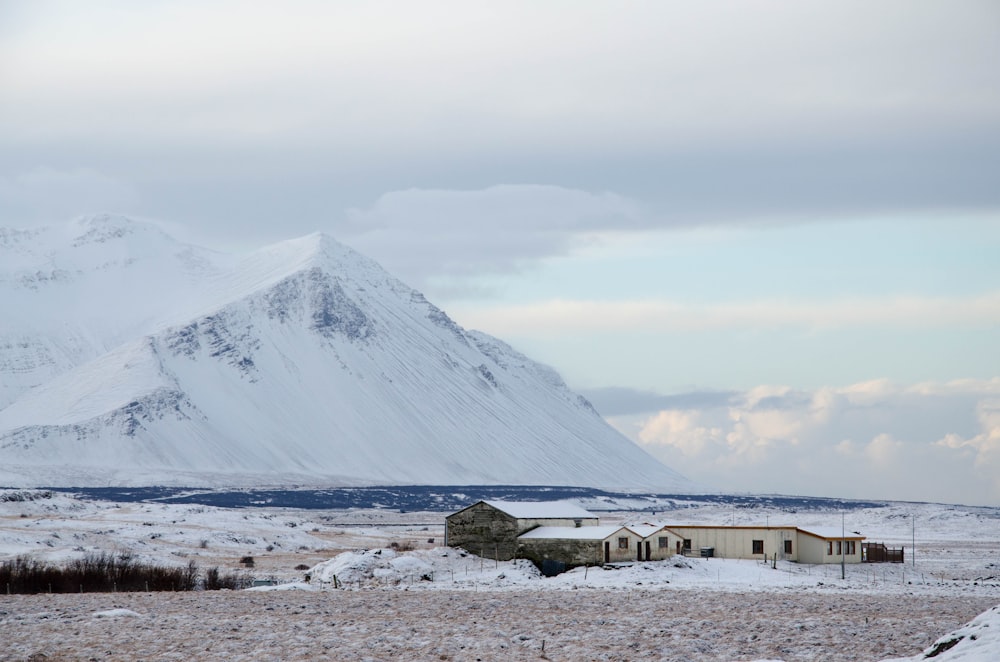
x=321, y=248
x=304, y=358
x=101, y=228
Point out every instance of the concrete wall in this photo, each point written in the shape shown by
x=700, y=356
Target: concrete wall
x=483, y=530
x=575, y=552
x=571, y=552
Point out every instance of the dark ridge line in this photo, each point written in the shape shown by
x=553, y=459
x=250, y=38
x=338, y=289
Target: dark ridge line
x=446, y=498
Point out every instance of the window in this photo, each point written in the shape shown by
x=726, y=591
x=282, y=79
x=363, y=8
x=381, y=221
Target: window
x=623, y=543
x=663, y=542
x=788, y=547
x=758, y=546
x=687, y=544
x=851, y=547
x=840, y=548
x=829, y=548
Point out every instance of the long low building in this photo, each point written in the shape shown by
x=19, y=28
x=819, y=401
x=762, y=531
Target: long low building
x=790, y=543
x=563, y=533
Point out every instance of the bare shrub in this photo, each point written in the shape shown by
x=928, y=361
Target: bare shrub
x=94, y=573
x=214, y=580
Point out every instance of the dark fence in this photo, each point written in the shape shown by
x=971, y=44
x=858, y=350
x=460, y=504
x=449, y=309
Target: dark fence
x=876, y=552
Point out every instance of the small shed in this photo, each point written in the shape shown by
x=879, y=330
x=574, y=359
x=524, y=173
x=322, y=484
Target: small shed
x=490, y=528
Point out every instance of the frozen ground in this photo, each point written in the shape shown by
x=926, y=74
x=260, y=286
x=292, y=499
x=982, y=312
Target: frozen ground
x=375, y=624
x=437, y=603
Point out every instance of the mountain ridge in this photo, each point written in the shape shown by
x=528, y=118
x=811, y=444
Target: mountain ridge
x=303, y=359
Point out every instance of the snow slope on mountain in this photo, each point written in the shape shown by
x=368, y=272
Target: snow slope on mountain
x=159, y=363
x=72, y=293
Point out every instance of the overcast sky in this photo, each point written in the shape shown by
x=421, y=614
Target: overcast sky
x=763, y=237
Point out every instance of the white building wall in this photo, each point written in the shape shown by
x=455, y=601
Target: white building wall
x=657, y=553
x=820, y=550
x=737, y=542
x=811, y=549
x=619, y=554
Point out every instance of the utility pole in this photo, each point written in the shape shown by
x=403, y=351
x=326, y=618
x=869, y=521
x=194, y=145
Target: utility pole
x=843, y=545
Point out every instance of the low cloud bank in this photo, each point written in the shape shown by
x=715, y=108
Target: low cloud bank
x=424, y=233
x=935, y=441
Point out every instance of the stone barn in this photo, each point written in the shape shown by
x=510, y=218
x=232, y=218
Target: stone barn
x=490, y=528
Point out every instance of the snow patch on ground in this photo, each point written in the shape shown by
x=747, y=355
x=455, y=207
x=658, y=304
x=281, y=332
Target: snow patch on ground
x=116, y=613
x=977, y=641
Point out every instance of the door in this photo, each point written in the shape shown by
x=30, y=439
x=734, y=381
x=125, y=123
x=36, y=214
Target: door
x=607, y=551
x=647, y=550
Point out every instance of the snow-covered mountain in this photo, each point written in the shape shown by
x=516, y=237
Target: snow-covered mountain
x=129, y=358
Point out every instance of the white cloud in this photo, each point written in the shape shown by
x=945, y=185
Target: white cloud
x=48, y=194
x=558, y=317
x=883, y=450
x=422, y=234
x=985, y=446
x=867, y=440
x=250, y=111
x=680, y=429
x=592, y=73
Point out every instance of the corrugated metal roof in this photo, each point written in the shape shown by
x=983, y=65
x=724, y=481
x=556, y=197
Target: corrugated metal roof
x=824, y=532
x=542, y=509
x=728, y=527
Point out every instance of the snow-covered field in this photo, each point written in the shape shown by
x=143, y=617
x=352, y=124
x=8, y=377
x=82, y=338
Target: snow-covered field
x=431, y=602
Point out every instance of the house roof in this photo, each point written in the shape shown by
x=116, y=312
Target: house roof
x=728, y=527
x=830, y=533
x=646, y=530
x=598, y=532
x=822, y=532
x=542, y=509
